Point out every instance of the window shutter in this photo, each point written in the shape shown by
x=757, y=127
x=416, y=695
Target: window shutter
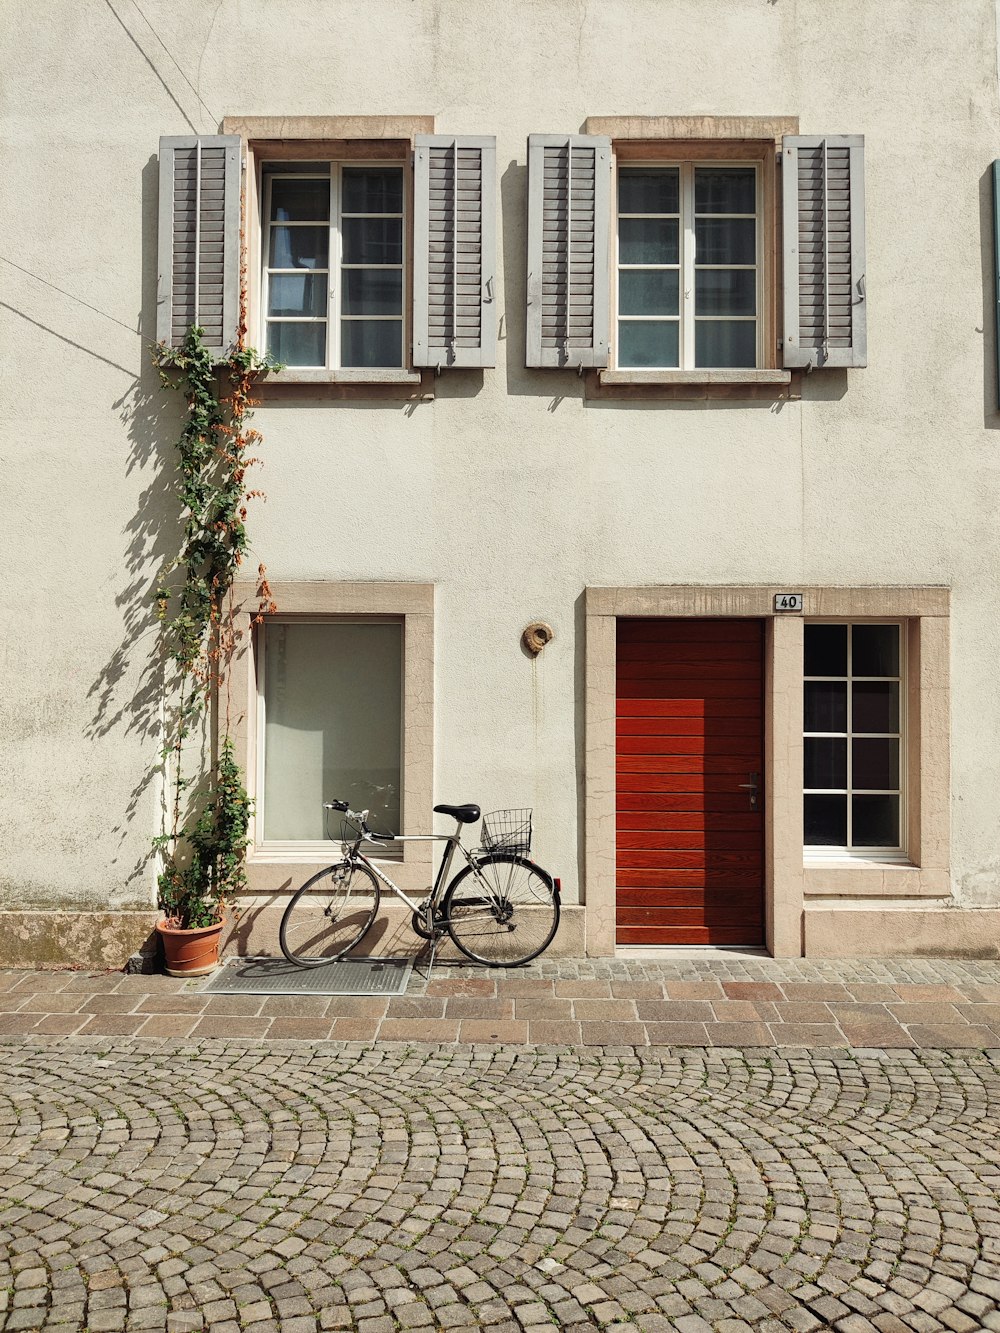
x=569, y=212
x=454, y=251
x=996, y=270
x=199, y=239
x=823, y=187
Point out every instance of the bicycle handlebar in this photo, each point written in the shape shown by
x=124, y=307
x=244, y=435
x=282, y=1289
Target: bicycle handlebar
x=359, y=817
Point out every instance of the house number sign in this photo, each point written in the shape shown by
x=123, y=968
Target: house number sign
x=788, y=601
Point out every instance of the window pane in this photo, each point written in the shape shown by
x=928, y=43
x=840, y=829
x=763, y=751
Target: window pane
x=371, y=342
x=725, y=241
x=875, y=821
x=825, y=821
x=725, y=190
x=825, y=705
x=372, y=291
x=648, y=291
x=648, y=241
x=875, y=763
x=647, y=343
x=725, y=343
x=332, y=697
x=826, y=650
x=648, y=189
x=372, y=190
x=300, y=201
x=299, y=247
x=297, y=344
x=373, y=240
x=725, y=291
x=296, y=294
x=875, y=650
x=875, y=705
x=825, y=762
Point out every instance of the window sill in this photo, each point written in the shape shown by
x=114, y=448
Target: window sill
x=846, y=862
x=695, y=376
x=294, y=375
x=405, y=385
x=693, y=385
x=314, y=853
x=849, y=877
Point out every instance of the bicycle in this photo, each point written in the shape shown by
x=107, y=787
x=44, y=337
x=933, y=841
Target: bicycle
x=500, y=908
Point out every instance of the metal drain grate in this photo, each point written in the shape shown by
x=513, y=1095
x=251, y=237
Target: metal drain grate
x=344, y=976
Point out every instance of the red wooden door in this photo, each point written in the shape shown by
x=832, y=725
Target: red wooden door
x=690, y=731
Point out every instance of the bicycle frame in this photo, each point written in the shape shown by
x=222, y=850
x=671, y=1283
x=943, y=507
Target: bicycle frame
x=454, y=841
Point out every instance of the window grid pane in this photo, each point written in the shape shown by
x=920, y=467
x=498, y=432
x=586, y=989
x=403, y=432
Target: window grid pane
x=716, y=213
x=335, y=234
x=875, y=755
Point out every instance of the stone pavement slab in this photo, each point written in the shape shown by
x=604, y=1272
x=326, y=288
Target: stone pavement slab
x=724, y=999
x=293, y=1186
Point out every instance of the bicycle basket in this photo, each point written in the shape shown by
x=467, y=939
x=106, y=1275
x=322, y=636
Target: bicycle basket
x=507, y=831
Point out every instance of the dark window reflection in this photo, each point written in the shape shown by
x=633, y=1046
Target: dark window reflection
x=826, y=650
x=876, y=821
x=875, y=650
x=826, y=762
x=825, y=820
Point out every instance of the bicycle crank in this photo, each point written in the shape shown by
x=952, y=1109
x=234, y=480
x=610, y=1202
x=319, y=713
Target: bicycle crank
x=419, y=922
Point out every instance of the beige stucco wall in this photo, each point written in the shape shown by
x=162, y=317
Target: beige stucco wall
x=509, y=491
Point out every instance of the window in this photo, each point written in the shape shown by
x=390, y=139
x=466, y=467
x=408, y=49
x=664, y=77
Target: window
x=655, y=254
x=334, y=260
x=854, y=731
x=688, y=266
x=330, y=716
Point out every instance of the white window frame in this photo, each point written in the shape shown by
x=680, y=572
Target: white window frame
x=320, y=849
x=827, y=851
x=687, y=265
x=271, y=168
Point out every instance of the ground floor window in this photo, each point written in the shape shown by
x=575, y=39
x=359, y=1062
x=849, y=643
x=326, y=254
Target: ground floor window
x=330, y=700
x=853, y=737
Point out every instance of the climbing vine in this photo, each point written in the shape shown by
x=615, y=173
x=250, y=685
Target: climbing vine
x=204, y=857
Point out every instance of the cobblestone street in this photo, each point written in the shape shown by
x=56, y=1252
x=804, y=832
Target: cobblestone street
x=248, y=1185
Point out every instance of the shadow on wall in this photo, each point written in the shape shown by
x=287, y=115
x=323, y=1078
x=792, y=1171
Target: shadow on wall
x=127, y=694
x=552, y=384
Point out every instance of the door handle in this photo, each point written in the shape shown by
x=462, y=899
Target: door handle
x=753, y=786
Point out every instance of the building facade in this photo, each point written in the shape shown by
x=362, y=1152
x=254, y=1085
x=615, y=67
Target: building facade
x=668, y=325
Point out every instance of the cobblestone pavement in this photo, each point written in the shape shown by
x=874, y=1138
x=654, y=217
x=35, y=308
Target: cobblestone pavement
x=255, y=1186
x=727, y=1000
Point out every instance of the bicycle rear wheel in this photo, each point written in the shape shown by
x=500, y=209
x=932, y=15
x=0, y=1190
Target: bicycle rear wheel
x=503, y=912
x=329, y=914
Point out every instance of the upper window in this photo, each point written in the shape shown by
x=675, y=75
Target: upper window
x=688, y=266
x=854, y=730
x=334, y=259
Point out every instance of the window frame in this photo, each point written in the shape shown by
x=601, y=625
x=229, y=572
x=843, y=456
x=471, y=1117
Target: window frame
x=827, y=851
x=374, y=140
x=334, y=316
x=317, y=847
x=687, y=266
x=274, y=873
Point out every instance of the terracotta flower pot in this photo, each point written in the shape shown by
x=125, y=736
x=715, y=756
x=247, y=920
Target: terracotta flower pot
x=190, y=953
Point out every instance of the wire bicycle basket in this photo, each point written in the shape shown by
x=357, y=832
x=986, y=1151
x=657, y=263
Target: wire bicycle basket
x=507, y=831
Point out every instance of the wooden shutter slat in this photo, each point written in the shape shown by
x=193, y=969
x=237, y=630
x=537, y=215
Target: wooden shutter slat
x=454, y=265
x=569, y=202
x=199, y=239
x=824, y=251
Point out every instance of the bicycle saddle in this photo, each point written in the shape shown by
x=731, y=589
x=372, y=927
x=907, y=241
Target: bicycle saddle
x=465, y=814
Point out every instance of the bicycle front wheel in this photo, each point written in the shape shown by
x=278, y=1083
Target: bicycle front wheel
x=329, y=914
x=503, y=911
